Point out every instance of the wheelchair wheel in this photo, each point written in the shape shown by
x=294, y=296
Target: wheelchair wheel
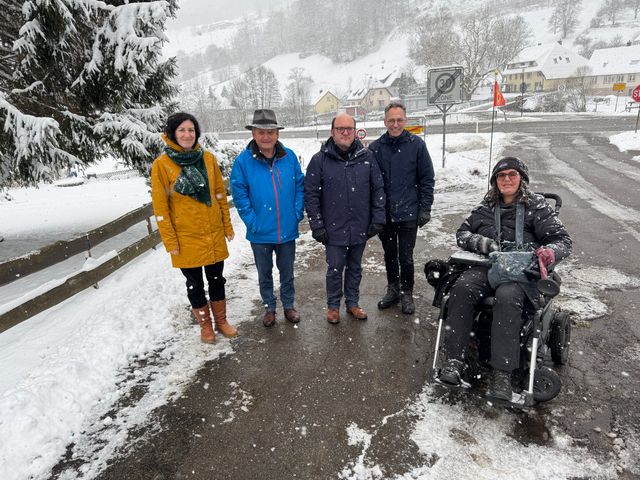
x=546, y=384
x=560, y=338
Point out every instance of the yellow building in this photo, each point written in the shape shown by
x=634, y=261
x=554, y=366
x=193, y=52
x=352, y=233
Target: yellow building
x=326, y=103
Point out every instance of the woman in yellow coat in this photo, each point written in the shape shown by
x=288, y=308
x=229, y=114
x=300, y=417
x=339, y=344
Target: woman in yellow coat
x=190, y=206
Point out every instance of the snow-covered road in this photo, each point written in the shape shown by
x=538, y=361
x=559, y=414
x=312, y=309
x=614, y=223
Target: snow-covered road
x=87, y=372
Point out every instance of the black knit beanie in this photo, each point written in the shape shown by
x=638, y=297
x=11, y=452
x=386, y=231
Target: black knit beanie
x=175, y=120
x=510, y=163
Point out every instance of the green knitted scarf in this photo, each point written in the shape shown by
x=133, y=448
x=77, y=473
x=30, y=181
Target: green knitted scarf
x=192, y=180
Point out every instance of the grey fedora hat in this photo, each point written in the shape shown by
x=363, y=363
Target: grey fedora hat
x=264, y=119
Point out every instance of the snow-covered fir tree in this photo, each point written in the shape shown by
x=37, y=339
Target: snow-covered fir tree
x=80, y=79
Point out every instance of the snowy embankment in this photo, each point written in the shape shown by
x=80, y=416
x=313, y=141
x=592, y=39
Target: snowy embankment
x=77, y=370
x=626, y=141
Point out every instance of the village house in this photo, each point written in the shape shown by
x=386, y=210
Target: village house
x=614, y=65
x=541, y=68
x=326, y=102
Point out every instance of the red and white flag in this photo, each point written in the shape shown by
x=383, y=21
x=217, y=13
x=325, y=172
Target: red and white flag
x=498, y=99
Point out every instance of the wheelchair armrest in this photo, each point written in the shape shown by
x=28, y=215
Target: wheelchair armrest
x=470, y=258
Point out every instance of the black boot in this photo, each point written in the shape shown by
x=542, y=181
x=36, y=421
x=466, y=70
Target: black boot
x=392, y=297
x=406, y=301
x=452, y=372
x=501, y=385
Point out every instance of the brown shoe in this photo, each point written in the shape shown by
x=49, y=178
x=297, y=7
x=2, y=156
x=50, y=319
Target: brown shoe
x=269, y=319
x=292, y=315
x=333, y=315
x=357, y=313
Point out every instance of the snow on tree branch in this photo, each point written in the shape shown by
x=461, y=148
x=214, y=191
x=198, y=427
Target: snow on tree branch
x=86, y=79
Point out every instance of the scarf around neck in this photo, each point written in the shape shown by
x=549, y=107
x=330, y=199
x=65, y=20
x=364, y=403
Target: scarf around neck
x=192, y=180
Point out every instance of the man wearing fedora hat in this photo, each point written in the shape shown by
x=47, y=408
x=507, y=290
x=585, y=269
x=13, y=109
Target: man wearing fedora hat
x=267, y=185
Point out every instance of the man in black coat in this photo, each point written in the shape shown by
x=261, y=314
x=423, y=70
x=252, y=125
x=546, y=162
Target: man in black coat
x=344, y=198
x=408, y=176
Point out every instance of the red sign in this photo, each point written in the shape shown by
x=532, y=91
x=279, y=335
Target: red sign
x=636, y=94
x=361, y=133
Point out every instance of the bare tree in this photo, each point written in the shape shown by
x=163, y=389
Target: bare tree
x=480, y=43
x=579, y=88
x=610, y=10
x=263, y=88
x=297, y=94
x=195, y=97
x=635, y=4
x=565, y=16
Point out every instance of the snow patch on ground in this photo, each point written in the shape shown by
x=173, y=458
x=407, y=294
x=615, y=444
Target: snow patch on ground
x=82, y=372
x=464, y=441
x=626, y=141
x=582, y=287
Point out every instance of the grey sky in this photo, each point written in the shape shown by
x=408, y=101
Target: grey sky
x=198, y=12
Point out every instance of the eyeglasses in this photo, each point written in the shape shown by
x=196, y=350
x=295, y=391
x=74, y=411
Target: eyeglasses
x=396, y=121
x=504, y=175
x=345, y=129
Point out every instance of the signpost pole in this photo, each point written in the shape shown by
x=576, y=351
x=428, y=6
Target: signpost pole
x=444, y=131
x=635, y=95
x=424, y=129
x=523, y=87
x=615, y=109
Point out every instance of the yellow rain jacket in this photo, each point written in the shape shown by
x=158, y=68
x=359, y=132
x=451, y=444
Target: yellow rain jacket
x=197, y=231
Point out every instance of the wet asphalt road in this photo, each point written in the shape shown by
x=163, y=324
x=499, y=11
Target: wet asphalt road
x=307, y=385
x=278, y=408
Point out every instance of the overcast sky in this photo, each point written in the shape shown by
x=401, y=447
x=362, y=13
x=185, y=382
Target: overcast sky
x=198, y=12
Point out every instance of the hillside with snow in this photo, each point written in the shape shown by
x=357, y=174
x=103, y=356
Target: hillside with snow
x=393, y=53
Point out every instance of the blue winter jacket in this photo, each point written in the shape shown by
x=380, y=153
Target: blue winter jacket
x=269, y=199
x=408, y=175
x=344, y=196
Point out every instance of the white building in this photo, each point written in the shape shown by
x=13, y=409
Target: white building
x=541, y=68
x=615, y=65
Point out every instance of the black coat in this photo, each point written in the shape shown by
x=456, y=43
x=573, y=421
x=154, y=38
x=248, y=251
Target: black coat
x=408, y=175
x=542, y=227
x=344, y=196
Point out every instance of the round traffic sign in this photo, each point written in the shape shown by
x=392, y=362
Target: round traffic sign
x=445, y=82
x=361, y=134
x=636, y=94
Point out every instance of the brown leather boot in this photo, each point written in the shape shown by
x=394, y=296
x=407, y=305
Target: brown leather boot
x=219, y=310
x=204, y=319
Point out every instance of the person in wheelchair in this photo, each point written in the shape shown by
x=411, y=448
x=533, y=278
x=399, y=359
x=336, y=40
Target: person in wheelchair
x=492, y=226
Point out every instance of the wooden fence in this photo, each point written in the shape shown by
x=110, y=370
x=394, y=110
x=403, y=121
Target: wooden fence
x=14, y=269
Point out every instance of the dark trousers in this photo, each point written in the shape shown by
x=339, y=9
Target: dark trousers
x=469, y=290
x=398, y=241
x=348, y=260
x=195, y=284
x=285, y=257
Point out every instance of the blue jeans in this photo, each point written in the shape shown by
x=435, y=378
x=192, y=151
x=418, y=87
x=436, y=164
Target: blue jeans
x=285, y=255
x=349, y=260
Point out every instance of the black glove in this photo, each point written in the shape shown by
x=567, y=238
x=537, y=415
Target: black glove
x=320, y=235
x=424, y=216
x=374, y=229
x=487, y=245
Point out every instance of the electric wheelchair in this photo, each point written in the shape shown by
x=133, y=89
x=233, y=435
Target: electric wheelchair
x=545, y=335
